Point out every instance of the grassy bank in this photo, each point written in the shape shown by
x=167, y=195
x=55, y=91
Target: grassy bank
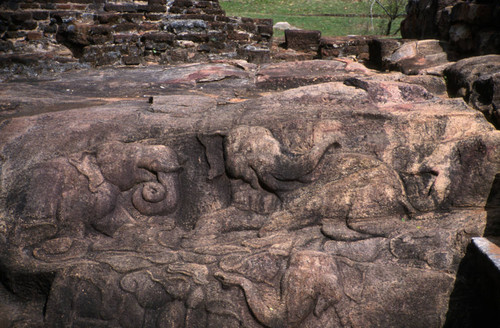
x=302, y=15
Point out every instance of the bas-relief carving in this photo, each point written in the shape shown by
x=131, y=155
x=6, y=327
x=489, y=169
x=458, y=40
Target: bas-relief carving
x=279, y=256
x=115, y=186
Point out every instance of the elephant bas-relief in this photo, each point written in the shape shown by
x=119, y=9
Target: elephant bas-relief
x=104, y=190
x=344, y=193
x=119, y=260
x=309, y=286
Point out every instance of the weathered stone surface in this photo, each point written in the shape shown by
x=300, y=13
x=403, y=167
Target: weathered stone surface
x=195, y=196
x=293, y=74
x=302, y=40
x=408, y=56
x=356, y=46
x=477, y=80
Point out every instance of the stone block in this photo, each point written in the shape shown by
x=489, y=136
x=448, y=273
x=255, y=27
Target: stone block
x=217, y=36
x=195, y=37
x=40, y=15
x=79, y=7
x=203, y=4
x=302, y=40
x=87, y=1
x=131, y=60
x=220, y=26
x=156, y=46
x=64, y=16
x=186, y=25
x=73, y=35
x=263, y=21
x=99, y=34
x=109, y=18
x=176, y=10
x=124, y=7
x=248, y=26
x=204, y=17
x=133, y=17
x=158, y=37
x=63, y=6
x=127, y=26
x=195, y=11
x=20, y=17
x=133, y=50
x=265, y=29
x=222, y=18
x=381, y=48
x=149, y=26
x=34, y=36
x=25, y=6
x=214, y=11
x=182, y=4
x=28, y=25
x=125, y=38
x=101, y=55
x=48, y=6
x=153, y=16
x=100, y=29
x=254, y=54
x=13, y=27
x=15, y=34
x=155, y=8
x=238, y=36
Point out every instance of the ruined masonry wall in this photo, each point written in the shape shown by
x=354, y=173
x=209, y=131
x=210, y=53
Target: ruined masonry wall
x=131, y=32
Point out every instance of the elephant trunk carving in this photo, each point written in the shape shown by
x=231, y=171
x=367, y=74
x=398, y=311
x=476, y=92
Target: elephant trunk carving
x=155, y=198
x=254, y=155
x=153, y=170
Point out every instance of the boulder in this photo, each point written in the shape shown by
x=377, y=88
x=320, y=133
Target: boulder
x=408, y=56
x=470, y=27
x=477, y=80
x=197, y=196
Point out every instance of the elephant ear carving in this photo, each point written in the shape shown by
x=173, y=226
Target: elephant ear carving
x=214, y=153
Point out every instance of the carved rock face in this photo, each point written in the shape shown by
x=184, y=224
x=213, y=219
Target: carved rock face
x=332, y=205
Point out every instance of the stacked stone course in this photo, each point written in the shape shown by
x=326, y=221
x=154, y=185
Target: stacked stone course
x=130, y=32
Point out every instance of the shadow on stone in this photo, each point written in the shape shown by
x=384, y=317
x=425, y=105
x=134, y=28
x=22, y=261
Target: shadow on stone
x=474, y=299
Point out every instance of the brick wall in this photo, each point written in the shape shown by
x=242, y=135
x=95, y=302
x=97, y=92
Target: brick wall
x=130, y=32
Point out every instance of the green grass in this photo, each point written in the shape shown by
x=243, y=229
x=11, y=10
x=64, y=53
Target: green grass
x=291, y=10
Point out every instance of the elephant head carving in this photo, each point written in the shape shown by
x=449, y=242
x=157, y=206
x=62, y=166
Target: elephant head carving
x=153, y=170
x=84, y=188
x=254, y=155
